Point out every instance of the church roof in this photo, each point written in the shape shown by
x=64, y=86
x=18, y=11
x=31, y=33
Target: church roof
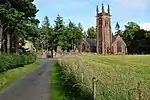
x=114, y=38
x=91, y=42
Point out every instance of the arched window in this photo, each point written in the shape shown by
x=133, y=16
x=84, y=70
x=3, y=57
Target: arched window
x=83, y=47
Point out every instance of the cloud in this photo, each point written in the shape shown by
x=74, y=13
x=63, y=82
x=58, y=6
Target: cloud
x=145, y=26
x=33, y=2
x=130, y=8
x=132, y=4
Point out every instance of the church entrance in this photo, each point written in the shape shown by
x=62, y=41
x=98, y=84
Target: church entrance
x=83, y=47
x=119, y=48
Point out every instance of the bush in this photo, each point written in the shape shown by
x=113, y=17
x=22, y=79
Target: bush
x=11, y=61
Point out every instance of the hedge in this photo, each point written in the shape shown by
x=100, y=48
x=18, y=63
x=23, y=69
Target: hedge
x=11, y=61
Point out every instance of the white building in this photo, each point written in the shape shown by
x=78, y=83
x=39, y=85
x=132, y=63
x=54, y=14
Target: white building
x=29, y=46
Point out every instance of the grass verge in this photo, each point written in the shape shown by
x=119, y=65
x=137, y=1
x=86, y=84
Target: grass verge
x=11, y=76
x=58, y=92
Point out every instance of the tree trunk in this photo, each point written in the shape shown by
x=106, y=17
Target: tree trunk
x=16, y=47
x=52, y=53
x=3, y=49
x=1, y=34
x=11, y=44
x=42, y=49
x=8, y=43
x=4, y=44
x=72, y=42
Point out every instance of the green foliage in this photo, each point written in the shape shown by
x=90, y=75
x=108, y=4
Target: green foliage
x=91, y=32
x=68, y=37
x=84, y=34
x=117, y=26
x=58, y=91
x=45, y=34
x=10, y=61
x=130, y=29
x=118, y=31
x=137, y=39
x=18, y=20
x=59, y=32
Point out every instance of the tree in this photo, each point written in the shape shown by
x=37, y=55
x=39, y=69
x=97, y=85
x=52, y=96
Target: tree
x=130, y=29
x=118, y=31
x=71, y=34
x=59, y=32
x=15, y=16
x=91, y=32
x=134, y=37
x=84, y=34
x=46, y=32
x=79, y=34
x=117, y=26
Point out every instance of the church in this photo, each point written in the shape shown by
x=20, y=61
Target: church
x=105, y=42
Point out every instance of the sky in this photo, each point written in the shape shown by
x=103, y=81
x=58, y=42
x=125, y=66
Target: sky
x=84, y=11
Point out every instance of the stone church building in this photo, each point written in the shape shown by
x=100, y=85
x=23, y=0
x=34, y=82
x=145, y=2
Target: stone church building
x=106, y=42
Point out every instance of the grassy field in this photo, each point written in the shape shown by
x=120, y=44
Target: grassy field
x=10, y=76
x=118, y=77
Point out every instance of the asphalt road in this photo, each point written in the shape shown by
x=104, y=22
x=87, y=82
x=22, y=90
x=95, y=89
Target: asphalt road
x=33, y=86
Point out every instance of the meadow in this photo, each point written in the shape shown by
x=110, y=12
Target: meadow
x=117, y=77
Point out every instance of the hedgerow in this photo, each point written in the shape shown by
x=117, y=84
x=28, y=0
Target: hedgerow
x=11, y=61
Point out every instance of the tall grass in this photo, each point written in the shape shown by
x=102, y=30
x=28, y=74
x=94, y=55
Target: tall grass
x=118, y=77
x=64, y=86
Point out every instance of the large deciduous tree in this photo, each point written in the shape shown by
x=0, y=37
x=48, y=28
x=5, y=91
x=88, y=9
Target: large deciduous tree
x=137, y=40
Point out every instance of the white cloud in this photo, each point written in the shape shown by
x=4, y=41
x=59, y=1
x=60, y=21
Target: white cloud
x=130, y=8
x=131, y=4
x=33, y=2
x=145, y=26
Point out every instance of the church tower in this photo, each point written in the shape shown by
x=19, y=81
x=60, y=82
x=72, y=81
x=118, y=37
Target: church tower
x=103, y=28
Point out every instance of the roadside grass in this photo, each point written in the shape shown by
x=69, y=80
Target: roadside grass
x=9, y=77
x=63, y=87
x=58, y=92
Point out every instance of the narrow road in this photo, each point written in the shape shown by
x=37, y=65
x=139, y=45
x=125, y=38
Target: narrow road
x=33, y=86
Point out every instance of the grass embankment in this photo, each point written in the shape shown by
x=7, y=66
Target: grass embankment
x=118, y=77
x=11, y=76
